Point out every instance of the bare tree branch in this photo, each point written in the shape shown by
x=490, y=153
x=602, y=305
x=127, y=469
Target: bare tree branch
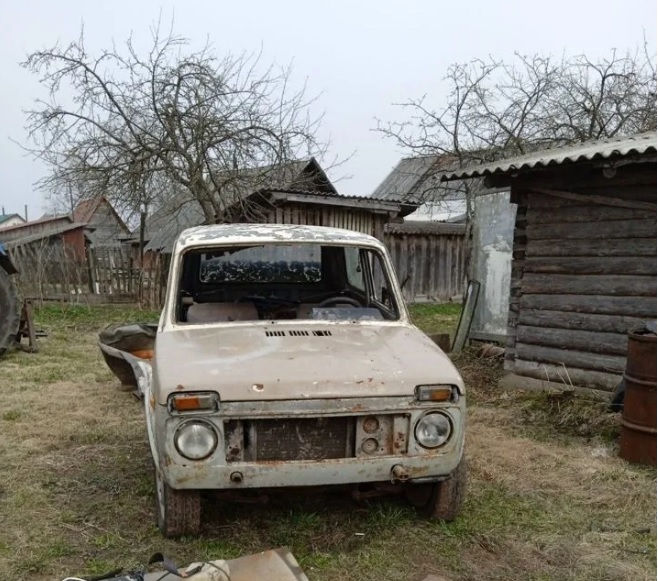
x=141, y=128
x=496, y=110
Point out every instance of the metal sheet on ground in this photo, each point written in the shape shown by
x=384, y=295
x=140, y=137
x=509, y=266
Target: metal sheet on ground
x=273, y=565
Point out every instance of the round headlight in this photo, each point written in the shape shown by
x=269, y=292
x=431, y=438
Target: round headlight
x=195, y=440
x=433, y=430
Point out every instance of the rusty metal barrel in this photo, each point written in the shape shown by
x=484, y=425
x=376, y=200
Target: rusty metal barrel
x=638, y=431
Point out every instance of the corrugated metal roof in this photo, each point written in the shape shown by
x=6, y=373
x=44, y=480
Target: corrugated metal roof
x=423, y=227
x=420, y=180
x=365, y=199
x=639, y=144
x=404, y=179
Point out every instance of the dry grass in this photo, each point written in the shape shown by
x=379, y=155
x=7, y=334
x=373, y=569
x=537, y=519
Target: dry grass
x=548, y=497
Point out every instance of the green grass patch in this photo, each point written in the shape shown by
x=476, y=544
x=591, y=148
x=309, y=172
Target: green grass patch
x=77, y=493
x=435, y=318
x=86, y=317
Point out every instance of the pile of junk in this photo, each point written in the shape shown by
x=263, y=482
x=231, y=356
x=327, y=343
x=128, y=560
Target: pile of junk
x=273, y=565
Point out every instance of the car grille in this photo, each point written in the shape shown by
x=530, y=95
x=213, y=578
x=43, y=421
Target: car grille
x=290, y=439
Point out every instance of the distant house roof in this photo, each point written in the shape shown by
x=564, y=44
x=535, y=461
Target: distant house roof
x=405, y=179
x=601, y=149
x=6, y=217
x=86, y=208
x=419, y=180
x=53, y=224
x=42, y=226
x=56, y=230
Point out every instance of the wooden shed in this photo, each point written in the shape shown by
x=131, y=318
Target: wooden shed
x=298, y=193
x=584, y=258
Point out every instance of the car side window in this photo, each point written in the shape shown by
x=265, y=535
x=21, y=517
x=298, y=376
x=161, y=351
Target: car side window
x=381, y=289
x=355, y=275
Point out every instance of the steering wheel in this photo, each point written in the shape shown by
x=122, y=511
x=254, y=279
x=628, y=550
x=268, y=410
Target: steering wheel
x=331, y=301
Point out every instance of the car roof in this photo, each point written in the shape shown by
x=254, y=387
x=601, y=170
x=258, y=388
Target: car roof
x=221, y=234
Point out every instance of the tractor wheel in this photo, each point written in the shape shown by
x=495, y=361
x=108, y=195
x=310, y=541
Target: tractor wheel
x=179, y=511
x=10, y=313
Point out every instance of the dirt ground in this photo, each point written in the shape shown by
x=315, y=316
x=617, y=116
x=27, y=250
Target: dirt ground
x=548, y=497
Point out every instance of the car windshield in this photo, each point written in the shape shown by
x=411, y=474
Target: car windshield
x=285, y=281
x=294, y=263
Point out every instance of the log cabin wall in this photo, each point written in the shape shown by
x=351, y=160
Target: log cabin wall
x=583, y=272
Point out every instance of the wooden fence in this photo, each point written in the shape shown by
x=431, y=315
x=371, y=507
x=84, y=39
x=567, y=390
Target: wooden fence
x=48, y=270
x=431, y=257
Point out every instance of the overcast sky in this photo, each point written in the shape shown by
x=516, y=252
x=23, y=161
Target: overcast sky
x=361, y=56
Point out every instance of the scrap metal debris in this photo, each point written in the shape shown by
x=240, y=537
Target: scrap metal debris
x=273, y=565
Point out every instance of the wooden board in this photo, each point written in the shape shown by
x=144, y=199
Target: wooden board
x=574, y=339
x=574, y=213
x=572, y=248
x=643, y=307
x=591, y=265
x=581, y=359
x=593, y=284
x=583, y=381
x=582, y=321
x=594, y=230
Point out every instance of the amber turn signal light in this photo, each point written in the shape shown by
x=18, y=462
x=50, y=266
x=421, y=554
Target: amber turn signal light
x=194, y=402
x=434, y=392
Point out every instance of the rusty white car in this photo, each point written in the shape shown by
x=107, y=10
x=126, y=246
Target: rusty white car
x=285, y=357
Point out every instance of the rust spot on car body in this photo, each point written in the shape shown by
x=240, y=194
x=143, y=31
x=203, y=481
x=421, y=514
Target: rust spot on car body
x=180, y=387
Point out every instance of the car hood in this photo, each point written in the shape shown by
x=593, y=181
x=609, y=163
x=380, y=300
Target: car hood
x=278, y=362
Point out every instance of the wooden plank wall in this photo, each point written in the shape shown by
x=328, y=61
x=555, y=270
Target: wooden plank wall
x=435, y=264
x=583, y=275
x=332, y=216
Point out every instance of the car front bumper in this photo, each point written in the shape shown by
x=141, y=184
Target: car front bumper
x=415, y=465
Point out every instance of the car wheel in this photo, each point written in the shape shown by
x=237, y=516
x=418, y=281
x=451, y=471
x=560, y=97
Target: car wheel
x=179, y=511
x=441, y=500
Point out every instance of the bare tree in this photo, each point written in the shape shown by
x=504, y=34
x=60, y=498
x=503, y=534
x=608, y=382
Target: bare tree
x=133, y=126
x=496, y=110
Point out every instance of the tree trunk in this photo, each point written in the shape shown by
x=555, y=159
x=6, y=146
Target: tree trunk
x=142, y=232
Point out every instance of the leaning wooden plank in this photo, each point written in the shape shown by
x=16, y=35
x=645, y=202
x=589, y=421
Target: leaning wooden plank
x=580, y=359
x=593, y=230
x=573, y=339
x=584, y=321
x=643, y=307
x=594, y=199
x=591, y=265
x=592, y=284
x=612, y=247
